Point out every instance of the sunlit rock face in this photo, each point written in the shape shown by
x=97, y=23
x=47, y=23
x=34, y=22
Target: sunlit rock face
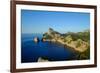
x=78, y=41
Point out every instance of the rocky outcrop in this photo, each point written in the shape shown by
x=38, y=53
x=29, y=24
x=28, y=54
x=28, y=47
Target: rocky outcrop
x=36, y=39
x=40, y=59
x=51, y=35
x=73, y=40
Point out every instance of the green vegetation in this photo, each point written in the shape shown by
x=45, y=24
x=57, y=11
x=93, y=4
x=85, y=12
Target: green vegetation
x=46, y=36
x=78, y=41
x=85, y=35
x=68, y=39
x=84, y=55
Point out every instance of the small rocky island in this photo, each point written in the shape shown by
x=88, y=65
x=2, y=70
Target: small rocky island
x=36, y=39
x=79, y=41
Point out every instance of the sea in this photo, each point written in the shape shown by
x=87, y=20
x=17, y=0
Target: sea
x=31, y=51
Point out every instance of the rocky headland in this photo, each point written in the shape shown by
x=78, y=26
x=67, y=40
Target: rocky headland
x=77, y=41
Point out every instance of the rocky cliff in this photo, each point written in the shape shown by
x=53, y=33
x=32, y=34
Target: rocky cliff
x=78, y=41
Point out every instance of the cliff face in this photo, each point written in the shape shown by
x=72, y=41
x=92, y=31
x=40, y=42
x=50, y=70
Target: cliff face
x=78, y=41
x=51, y=35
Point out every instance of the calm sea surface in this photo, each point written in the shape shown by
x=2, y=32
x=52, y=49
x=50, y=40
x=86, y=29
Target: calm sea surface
x=31, y=51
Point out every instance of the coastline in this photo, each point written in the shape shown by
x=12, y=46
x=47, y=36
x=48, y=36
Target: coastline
x=71, y=46
x=78, y=41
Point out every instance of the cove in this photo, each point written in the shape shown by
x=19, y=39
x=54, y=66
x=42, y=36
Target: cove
x=31, y=51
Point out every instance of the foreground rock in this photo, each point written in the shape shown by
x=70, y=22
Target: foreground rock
x=40, y=59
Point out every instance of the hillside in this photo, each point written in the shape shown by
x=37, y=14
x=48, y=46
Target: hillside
x=77, y=41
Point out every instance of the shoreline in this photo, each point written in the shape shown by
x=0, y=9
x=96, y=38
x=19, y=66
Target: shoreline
x=67, y=45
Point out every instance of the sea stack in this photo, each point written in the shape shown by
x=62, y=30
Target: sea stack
x=36, y=39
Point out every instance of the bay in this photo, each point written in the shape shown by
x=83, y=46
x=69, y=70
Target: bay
x=31, y=51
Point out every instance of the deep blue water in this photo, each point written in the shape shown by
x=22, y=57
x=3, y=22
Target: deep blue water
x=31, y=51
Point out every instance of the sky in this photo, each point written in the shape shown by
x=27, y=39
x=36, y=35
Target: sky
x=35, y=21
